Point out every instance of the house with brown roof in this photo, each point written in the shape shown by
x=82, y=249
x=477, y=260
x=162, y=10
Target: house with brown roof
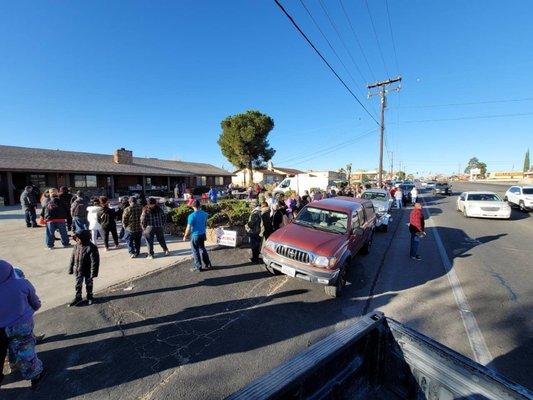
x=267, y=175
x=104, y=174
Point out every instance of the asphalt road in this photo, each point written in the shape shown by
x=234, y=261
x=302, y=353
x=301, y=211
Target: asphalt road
x=493, y=260
x=179, y=335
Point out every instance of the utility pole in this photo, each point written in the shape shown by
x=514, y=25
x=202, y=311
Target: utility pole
x=391, y=163
x=383, y=94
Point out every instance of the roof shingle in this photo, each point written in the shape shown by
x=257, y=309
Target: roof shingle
x=13, y=158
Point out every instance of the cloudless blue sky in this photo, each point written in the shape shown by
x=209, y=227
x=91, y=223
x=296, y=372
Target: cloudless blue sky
x=157, y=77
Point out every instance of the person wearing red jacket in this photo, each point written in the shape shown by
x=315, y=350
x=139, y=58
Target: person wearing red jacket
x=417, y=230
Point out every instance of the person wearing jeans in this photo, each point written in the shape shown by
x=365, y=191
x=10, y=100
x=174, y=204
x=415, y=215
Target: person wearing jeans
x=196, y=224
x=28, y=203
x=417, y=230
x=55, y=218
x=131, y=220
x=78, y=210
x=153, y=220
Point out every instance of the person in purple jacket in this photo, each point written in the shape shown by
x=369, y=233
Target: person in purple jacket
x=18, y=303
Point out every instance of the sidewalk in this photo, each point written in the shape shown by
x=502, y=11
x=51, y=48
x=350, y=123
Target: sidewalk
x=417, y=293
x=47, y=270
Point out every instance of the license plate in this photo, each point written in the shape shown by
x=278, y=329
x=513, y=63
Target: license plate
x=288, y=271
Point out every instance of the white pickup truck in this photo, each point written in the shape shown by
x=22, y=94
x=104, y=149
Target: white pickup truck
x=520, y=196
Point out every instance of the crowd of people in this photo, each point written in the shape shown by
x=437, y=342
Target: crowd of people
x=93, y=219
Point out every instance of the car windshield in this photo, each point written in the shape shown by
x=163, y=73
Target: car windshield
x=483, y=197
x=527, y=190
x=326, y=220
x=374, y=196
x=441, y=184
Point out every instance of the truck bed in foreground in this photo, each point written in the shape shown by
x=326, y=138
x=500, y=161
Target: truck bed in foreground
x=379, y=358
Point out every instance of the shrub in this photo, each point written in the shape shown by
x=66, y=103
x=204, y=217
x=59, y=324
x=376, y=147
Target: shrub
x=227, y=212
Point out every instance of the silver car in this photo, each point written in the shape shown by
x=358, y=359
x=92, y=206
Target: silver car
x=382, y=201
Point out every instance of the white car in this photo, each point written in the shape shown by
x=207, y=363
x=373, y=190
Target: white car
x=521, y=196
x=483, y=205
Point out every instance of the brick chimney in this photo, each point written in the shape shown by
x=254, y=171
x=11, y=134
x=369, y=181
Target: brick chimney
x=123, y=156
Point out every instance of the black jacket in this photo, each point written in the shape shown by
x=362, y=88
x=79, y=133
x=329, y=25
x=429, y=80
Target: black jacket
x=66, y=199
x=85, y=259
x=266, y=223
x=277, y=219
x=107, y=218
x=54, y=210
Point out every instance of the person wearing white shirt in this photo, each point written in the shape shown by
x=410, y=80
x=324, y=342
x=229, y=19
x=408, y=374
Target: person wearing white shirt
x=398, y=196
x=414, y=195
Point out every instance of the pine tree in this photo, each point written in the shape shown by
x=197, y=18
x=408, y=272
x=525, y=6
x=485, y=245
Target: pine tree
x=526, y=161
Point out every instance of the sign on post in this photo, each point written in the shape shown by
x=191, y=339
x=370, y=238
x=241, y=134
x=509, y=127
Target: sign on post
x=226, y=238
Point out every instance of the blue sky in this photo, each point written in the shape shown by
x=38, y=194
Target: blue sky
x=158, y=77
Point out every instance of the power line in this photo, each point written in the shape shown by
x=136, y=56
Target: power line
x=340, y=38
x=357, y=40
x=474, y=117
x=328, y=148
x=328, y=42
x=376, y=36
x=323, y=59
x=470, y=103
x=392, y=37
x=322, y=152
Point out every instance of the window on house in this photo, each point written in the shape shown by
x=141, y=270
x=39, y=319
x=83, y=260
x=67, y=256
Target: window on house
x=81, y=181
x=201, y=180
x=219, y=180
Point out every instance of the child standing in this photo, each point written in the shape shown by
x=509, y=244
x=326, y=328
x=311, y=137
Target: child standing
x=84, y=263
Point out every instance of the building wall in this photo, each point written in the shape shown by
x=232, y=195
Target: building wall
x=258, y=177
x=101, y=186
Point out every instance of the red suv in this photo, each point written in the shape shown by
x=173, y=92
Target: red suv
x=319, y=244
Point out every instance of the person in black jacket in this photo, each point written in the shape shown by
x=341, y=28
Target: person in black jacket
x=55, y=217
x=107, y=219
x=65, y=197
x=84, y=264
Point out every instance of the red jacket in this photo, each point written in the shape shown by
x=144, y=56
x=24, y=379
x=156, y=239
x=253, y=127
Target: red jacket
x=416, y=220
x=393, y=191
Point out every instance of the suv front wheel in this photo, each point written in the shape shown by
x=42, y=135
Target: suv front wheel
x=336, y=290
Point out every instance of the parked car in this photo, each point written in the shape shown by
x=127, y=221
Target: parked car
x=431, y=185
x=521, y=196
x=442, y=188
x=382, y=201
x=483, y=205
x=319, y=244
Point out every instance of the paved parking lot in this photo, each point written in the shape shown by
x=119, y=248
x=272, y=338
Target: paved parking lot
x=24, y=248
x=179, y=335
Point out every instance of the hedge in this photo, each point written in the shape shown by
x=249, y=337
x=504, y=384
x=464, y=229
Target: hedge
x=226, y=212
